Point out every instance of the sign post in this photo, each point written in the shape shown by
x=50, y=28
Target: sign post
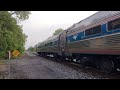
x=15, y=53
x=9, y=55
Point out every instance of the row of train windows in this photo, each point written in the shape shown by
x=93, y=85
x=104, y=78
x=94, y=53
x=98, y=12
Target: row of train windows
x=51, y=43
x=112, y=25
x=48, y=44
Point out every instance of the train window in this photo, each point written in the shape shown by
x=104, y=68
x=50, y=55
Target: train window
x=51, y=43
x=88, y=32
x=93, y=31
x=47, y=44
x=55, y=43
x=39, y=47
x=97, y=29
x=113, y=25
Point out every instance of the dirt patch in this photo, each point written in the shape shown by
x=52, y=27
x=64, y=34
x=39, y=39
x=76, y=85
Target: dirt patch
x=3, y=68
x=22, y=56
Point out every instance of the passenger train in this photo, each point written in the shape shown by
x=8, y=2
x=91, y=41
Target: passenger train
x=94, y=41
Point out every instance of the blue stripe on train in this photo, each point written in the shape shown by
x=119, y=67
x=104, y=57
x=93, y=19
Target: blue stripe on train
x=81, y=36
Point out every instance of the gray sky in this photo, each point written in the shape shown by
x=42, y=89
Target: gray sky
x=42, y=24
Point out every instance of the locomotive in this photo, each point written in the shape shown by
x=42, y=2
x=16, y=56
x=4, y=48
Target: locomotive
x=94, y=41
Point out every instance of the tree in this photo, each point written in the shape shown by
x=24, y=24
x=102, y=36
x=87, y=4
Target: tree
x=11, y=34
x=21, y=15
x=58, y=31
x=30, y=49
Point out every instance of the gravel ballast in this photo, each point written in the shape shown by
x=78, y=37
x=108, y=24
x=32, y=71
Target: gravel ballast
x=32, y=66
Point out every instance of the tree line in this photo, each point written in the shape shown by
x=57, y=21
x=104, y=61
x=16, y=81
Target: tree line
x=11, y=34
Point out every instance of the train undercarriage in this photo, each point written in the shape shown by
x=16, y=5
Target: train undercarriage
x=106, y=63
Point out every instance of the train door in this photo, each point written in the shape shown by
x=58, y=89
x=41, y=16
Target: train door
x=62, y=43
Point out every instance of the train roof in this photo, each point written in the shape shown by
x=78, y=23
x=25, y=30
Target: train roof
x=48, y=40
x=51, y=38
x=98, y=16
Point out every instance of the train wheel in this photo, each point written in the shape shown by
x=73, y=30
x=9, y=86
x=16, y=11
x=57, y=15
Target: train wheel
x=39, y=53
x=63, y=57
x=84, y=61
x=70, y=59
x=107, y=66
x=77, y=60
x=55, y=57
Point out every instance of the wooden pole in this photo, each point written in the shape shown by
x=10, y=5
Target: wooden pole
x=9, y=55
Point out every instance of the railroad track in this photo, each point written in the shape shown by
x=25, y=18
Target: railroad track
x=90, y=70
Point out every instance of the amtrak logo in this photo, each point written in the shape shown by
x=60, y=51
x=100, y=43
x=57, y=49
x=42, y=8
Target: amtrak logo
x=75, y=36
x=68, y=40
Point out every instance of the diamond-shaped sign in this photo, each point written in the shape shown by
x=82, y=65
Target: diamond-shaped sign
x=15, y=53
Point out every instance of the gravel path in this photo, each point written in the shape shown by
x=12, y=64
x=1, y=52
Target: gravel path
x=32, y=66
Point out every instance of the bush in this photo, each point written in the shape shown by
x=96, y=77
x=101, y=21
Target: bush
x=2, y=54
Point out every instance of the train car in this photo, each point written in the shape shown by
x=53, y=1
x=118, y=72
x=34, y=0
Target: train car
x=49, y=46
x=93, y=41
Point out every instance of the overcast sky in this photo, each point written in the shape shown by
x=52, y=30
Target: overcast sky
x=42, y=24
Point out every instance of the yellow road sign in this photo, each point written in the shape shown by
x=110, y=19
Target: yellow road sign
x=15, y=53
